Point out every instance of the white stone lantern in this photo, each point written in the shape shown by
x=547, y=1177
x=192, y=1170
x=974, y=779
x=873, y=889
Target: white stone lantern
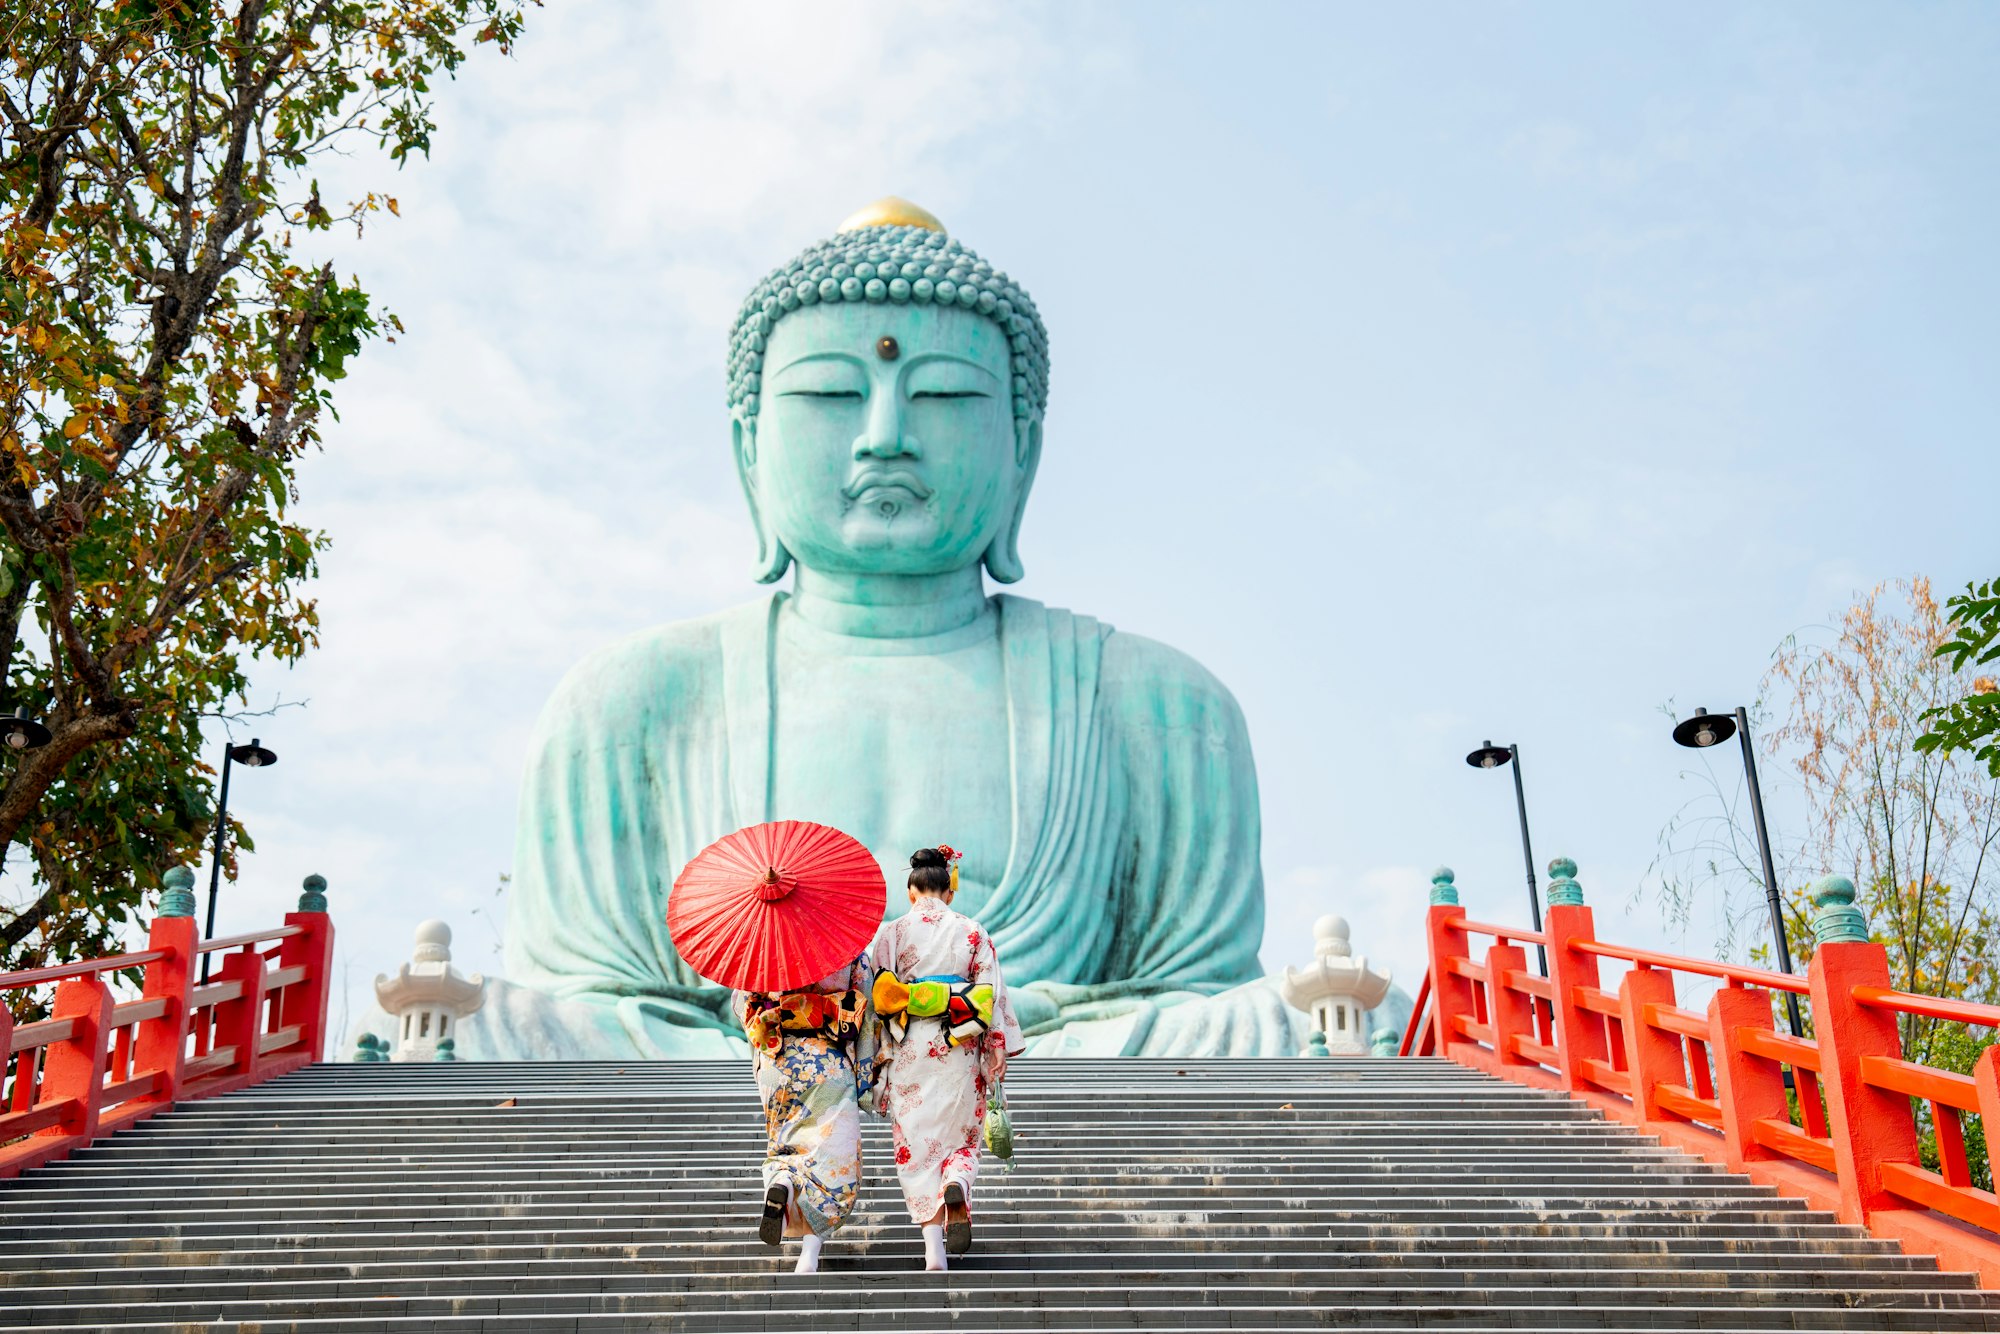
x=1338, y=989
x=427, y=997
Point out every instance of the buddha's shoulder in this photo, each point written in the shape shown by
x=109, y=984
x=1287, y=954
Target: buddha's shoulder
x=1131, y=669
x=1145, y=679
x=1152, y=695
x=674, y=661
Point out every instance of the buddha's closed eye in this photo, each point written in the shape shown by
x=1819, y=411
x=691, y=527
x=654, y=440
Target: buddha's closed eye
x=950, y=393
x=820, y=393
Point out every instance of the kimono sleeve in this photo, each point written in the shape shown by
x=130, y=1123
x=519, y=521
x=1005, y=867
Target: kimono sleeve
x=861, y=978
x=986, y=968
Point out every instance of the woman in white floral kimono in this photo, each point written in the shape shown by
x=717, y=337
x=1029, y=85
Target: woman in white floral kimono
x=813, y=1050
x=946, y=1029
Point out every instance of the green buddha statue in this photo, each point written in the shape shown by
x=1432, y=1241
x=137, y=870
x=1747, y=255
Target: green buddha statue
x=886, y=396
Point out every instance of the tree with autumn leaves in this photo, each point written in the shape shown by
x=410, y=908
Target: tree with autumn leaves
x=1848, y=712
x=168, y=343
x=1874, y=720
x=1916, y=827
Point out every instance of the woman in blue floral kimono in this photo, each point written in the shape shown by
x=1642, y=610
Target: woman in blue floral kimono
x=812, y=1050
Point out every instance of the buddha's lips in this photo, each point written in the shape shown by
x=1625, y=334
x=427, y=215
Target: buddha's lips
x=879, y=479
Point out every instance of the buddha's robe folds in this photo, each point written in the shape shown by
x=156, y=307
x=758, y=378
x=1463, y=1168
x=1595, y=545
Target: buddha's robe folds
x=1131, y=906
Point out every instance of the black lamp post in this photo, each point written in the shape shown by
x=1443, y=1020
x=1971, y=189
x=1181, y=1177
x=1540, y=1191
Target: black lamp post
x=1490, y=756
x=1707, y=729
x=252, y=756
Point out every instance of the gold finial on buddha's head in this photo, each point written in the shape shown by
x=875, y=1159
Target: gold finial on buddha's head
x=890, y=211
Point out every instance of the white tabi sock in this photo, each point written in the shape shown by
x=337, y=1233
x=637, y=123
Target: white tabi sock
x=809, y=1254
x=934, y=1246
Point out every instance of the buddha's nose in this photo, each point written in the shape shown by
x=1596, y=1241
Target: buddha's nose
x=882, y=436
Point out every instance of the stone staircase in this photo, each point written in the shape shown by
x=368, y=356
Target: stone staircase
x=1213, y=1195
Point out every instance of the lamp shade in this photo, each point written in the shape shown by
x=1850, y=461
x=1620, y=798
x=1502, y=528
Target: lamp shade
x=254, y=755
x=18, y=732
x=1705, y=729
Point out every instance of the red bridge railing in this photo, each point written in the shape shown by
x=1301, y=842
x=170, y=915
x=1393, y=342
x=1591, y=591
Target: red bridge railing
x=1843, y=1136
x=99, y=1064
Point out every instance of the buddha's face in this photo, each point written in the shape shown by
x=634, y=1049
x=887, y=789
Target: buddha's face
x=886, y=440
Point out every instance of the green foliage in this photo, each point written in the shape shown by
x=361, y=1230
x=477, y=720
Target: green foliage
x=165, y=359
x=1973, y=722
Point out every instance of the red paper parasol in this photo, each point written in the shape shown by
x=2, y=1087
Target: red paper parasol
x=776, y=906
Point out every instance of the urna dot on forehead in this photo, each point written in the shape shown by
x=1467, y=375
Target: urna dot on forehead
x=898, y=253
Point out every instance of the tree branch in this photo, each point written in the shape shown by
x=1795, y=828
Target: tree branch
x=39, y=768
x=20, y=926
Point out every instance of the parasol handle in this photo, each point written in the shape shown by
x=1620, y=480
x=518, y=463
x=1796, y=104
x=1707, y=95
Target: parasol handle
x=774, y=886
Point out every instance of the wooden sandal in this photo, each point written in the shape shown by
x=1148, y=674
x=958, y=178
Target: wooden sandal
x=957, y=1220
x=771, y=1227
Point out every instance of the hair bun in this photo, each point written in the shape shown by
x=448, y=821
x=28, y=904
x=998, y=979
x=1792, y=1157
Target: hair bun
x=926, y=857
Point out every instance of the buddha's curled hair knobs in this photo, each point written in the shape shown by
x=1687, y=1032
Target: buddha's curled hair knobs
x=891, y=257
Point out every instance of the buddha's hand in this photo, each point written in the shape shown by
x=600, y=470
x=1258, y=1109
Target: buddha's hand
x=1032, y=1008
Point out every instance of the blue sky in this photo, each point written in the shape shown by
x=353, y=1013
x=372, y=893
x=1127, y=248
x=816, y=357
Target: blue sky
x=1477, y=371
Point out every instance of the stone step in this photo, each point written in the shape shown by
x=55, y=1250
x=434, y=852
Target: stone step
x=723, y=1237
x=714, y=1162
x=696, y=1199
x=1684, y=1236
x=432, y=1187
x=582, y=1132
x=298, y=1294
x=1385, y=1191
x=1130, y=1304
x=711, y=1259
x=1167, y=1131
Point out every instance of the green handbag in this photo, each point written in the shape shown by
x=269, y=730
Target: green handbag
x=999, y=1129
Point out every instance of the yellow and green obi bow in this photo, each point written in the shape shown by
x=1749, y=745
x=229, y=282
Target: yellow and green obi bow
x=772, y=1016
x=965, y=1007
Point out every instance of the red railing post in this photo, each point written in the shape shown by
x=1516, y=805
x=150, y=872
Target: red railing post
x=160, y=1046
x=1869, y=1126
x=304, y=1003
x=1513, y=1011
x=1747, y=1088
x=74, y=1067
x=240, y=1022
x=1579, y=1032
x=1986, y=1077
x=1451, y=992
x=1652, y=1054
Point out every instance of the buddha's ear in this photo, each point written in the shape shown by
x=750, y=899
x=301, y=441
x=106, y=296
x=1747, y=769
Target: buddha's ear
x=1003, y=557
x=772, y=558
